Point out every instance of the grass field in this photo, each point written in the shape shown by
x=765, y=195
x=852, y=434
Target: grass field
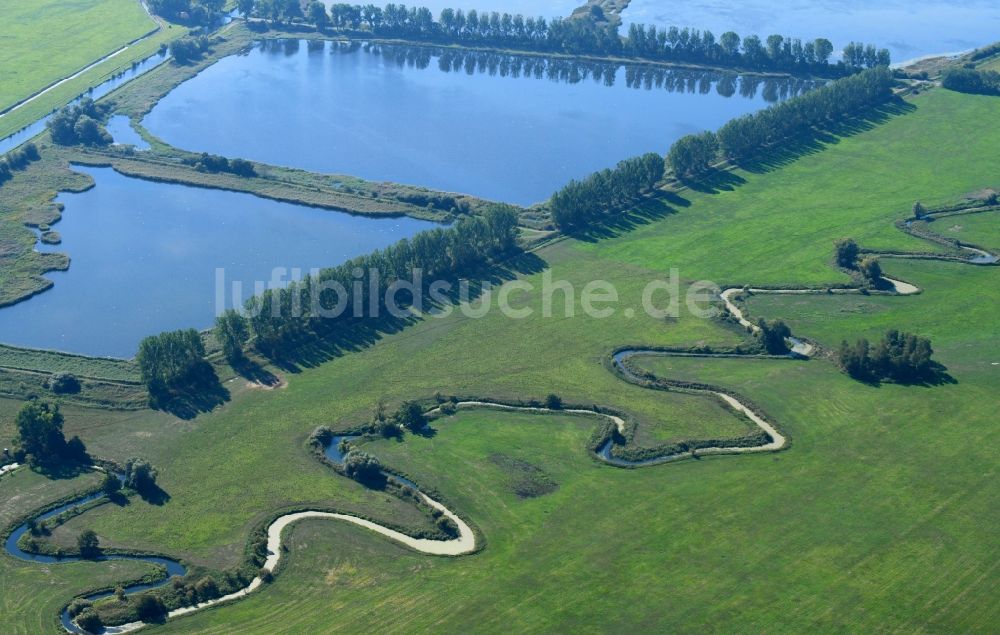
x=52, y=361
x=979, y=229
x=81, y=30
x=35, y=593
x=882, y=516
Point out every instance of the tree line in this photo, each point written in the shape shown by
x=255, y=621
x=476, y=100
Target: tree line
x=188, y=11
x=81, y=124
x=901, y=357
x=967, y=80
x=580, y=203
x=280, y=319
x=17, y=159
x=587, y=34
x=752, y=134
x=775, y=53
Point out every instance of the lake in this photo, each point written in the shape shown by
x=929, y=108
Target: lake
x=144, y=259
x=505, y=128
x=908, y=28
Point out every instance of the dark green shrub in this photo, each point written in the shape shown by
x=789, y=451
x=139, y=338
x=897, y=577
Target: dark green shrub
x=90, y=621
x=321, y=437
x=140, y=475
x=150, y=608
x=411, y=416
x=362, y=466
x=88, y=544
x=772, y=336
x=78, y=606
x=846, y=251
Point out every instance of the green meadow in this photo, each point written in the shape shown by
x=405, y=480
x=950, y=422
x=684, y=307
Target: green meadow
x=881, y=516
x=82, y=31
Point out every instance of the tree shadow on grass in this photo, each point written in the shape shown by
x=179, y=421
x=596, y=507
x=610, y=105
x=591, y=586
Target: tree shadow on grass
x=119, y=499
x=251, y=370
x=936, y=375
x=715, y=181
x=815, y=140
x=643, y=212
x=426, y=432
x=200, y=392
x=326, y=340
x=60, y=471
x=154, y=495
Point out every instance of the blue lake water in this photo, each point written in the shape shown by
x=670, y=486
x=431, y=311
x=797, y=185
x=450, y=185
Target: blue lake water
x=123, y=133
x=483, y=128
x=908, y=28
x=144, y=259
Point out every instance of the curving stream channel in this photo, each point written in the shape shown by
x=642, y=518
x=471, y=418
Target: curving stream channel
x=465, y=542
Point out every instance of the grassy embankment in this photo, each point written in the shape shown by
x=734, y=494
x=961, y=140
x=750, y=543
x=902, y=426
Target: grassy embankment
x=881, y=516
x=108, y=383
x=81, y=32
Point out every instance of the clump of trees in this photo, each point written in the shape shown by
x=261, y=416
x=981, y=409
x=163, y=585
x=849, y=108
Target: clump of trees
x=17, y=159
x=752, y=134
x=381, y=424
x=140, y=475
x=846, y=252
x=901, y=357
x=110, y=485
x=868, y=268
x=169, y=360
x=64, y=383
x=581, y=203
x=967, y=80
x=362, y=466
x=40, y=436
x=189, y=49
x=150, y=608
x=280, y=319
x=214, y=163
x=773, y=336
x=188, y=11
x=80, y=124
x=411, y=416
x=90, y=621
x=871, y=271
x=89, y=544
